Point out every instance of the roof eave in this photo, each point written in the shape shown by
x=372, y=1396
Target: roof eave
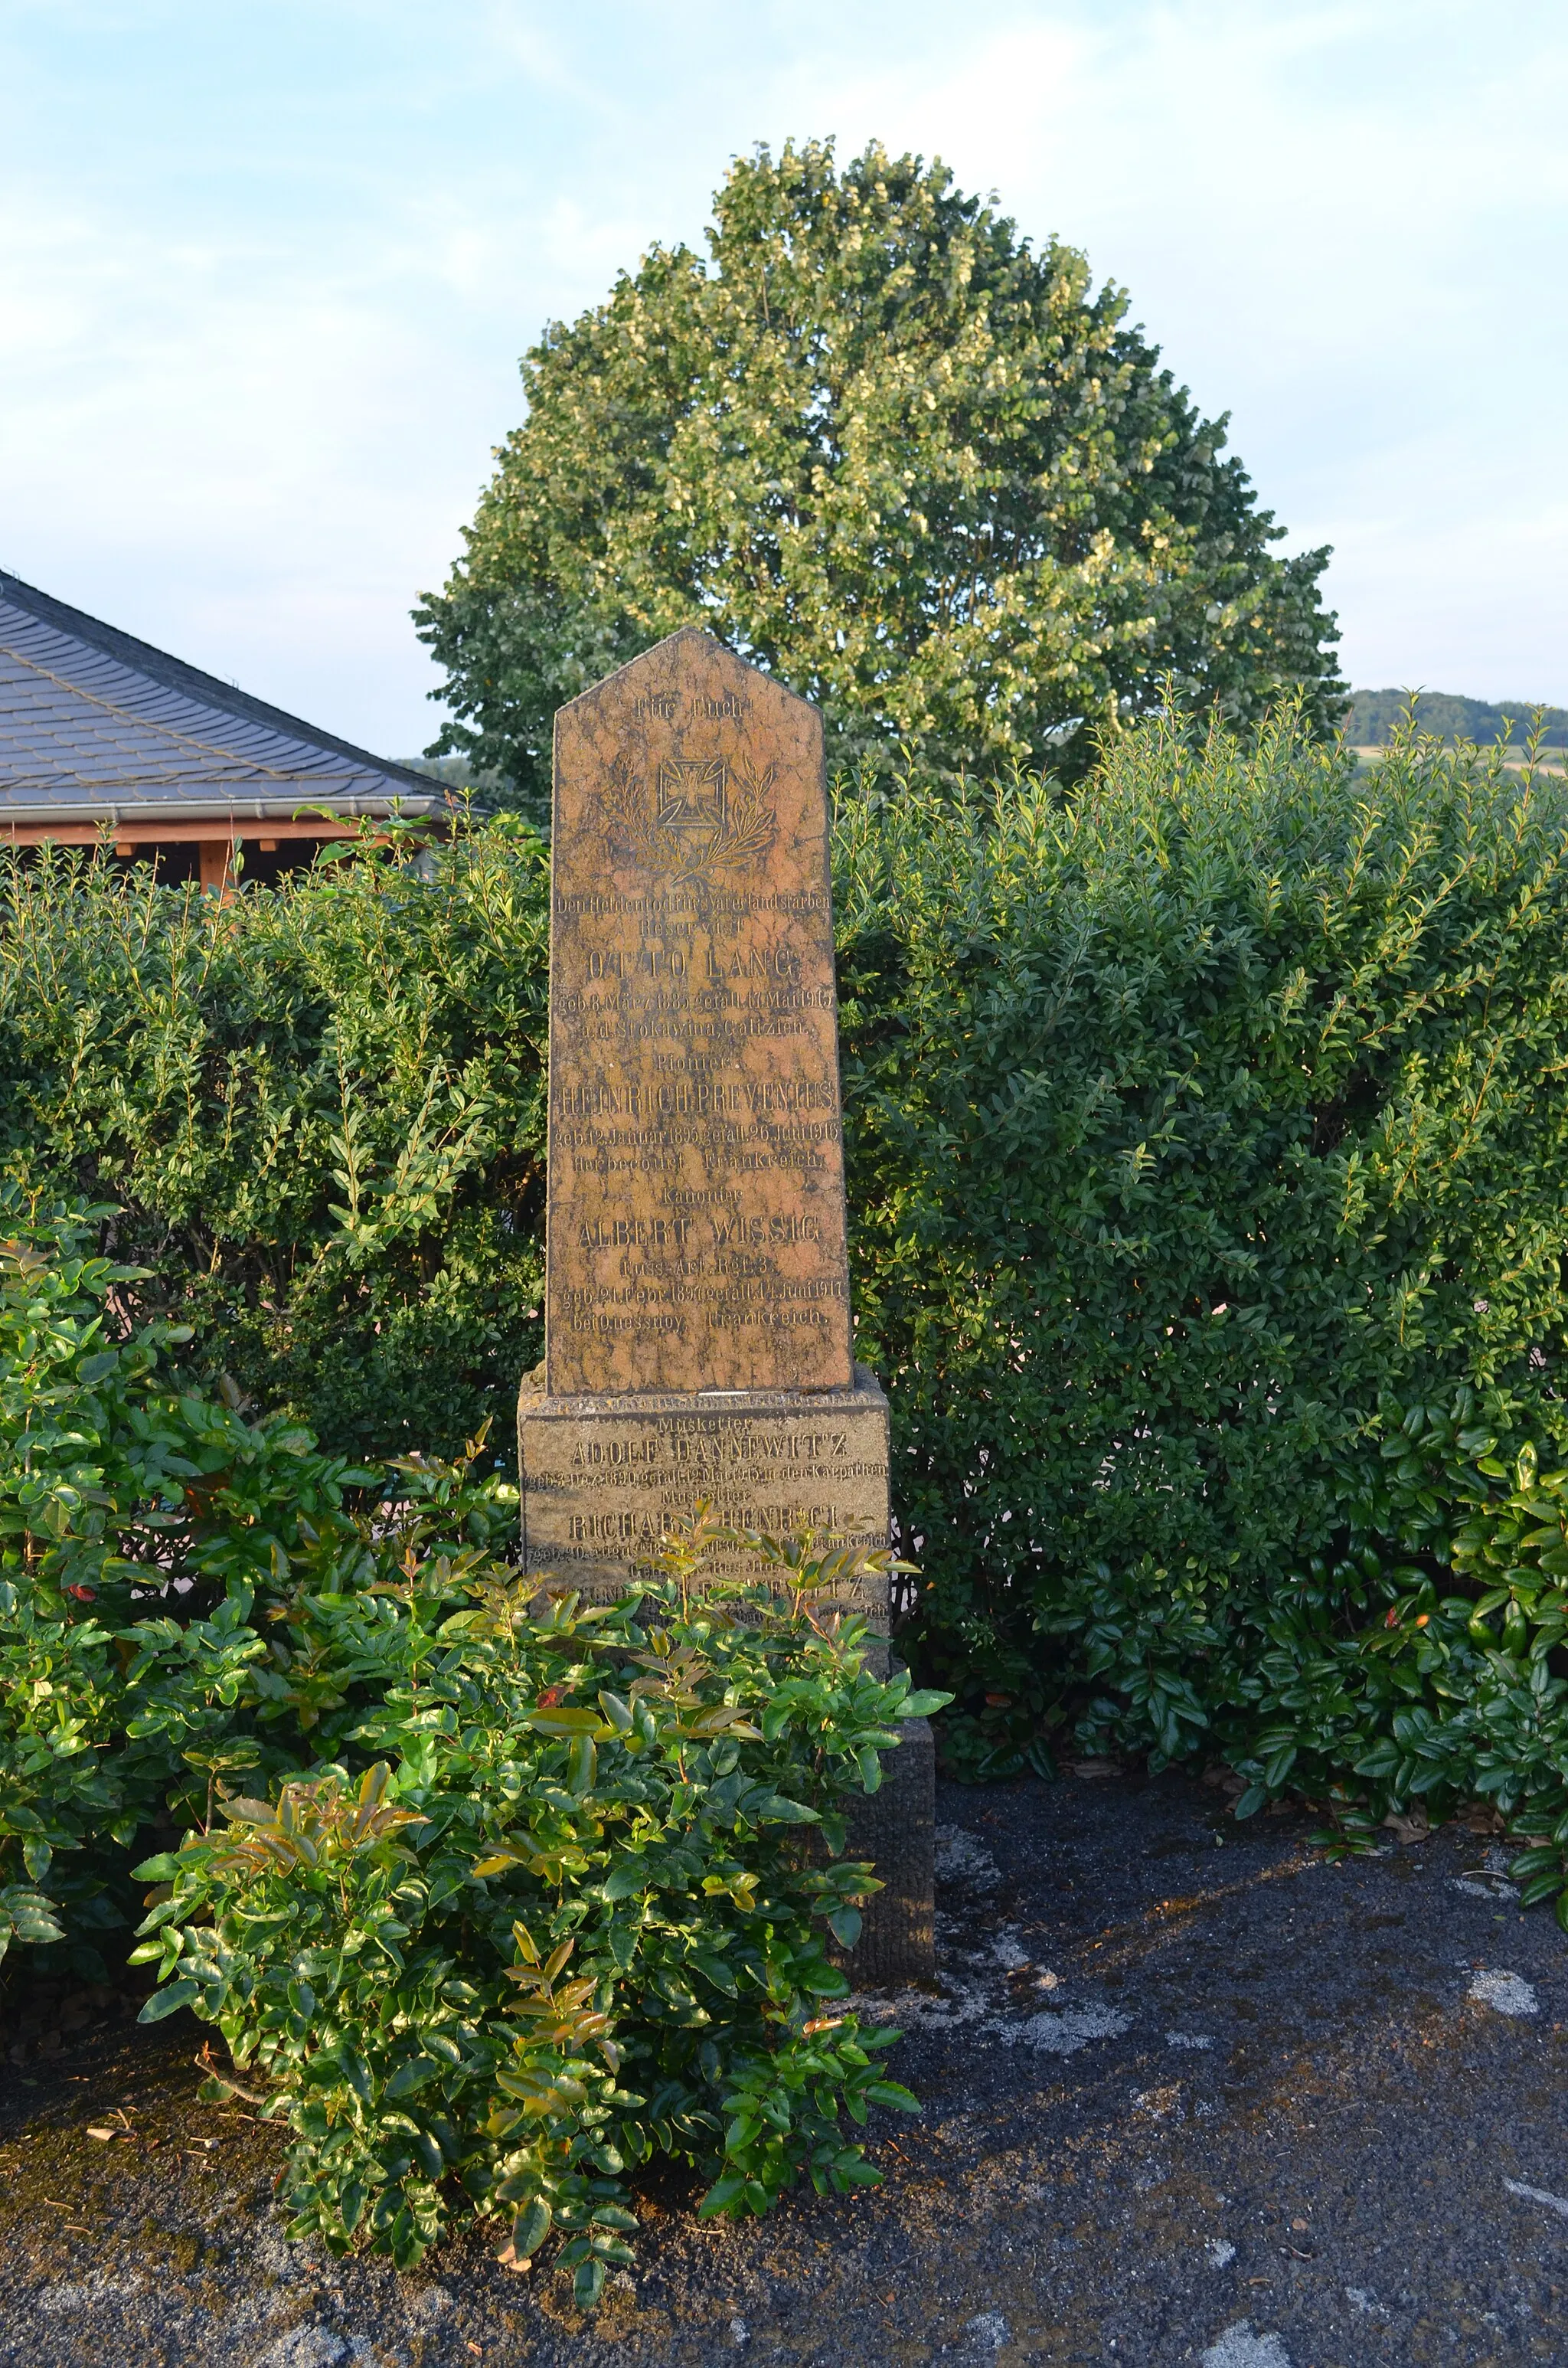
x=174, y=810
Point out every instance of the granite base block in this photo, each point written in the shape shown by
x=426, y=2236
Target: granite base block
x=896, y=1828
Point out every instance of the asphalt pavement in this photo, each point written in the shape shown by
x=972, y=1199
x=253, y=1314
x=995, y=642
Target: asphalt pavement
x=1191, y=2094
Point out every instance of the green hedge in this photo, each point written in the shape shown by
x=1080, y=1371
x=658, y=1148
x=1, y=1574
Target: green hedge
x=1207, y=1180
x=1204, y=1132
x=320, y=1111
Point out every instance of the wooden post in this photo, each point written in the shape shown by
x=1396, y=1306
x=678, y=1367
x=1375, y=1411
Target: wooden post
x=216, y=866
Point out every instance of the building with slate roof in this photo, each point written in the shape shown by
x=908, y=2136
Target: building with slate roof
x=101, y=734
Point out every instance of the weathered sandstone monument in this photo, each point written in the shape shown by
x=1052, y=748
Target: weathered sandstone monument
x=698, y=1336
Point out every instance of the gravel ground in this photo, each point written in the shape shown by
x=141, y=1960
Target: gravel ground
x=1190, y=2095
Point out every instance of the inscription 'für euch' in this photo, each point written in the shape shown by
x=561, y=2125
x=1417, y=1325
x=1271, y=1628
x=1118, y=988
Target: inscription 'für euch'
x=696, y=1219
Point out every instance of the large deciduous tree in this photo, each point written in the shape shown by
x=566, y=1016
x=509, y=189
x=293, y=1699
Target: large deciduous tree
x=883, y=447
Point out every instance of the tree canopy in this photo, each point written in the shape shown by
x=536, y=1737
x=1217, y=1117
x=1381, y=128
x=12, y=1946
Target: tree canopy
x=883, y=447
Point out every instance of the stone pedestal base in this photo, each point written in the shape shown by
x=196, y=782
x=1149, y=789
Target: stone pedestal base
x=604, y=1478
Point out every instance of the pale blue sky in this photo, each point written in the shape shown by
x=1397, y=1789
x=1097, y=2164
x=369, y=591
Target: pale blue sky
x=266, y=271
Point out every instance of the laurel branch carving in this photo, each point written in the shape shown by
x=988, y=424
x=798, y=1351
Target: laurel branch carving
x=670, y=839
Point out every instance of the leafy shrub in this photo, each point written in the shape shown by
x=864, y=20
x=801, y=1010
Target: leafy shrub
x=565, y=1923
x=1380, y=1684
x=117, y=1486
x=622, y=1827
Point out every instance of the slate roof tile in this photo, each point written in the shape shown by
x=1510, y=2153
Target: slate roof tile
x=93, y=721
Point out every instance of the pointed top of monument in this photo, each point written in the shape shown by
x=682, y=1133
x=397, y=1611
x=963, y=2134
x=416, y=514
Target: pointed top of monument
x=684, y=643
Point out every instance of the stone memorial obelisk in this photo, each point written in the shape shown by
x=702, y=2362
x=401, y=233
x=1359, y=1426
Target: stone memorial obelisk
x=698, y=1337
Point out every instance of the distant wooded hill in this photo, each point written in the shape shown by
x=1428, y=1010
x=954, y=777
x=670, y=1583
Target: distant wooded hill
x=1374, y=715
